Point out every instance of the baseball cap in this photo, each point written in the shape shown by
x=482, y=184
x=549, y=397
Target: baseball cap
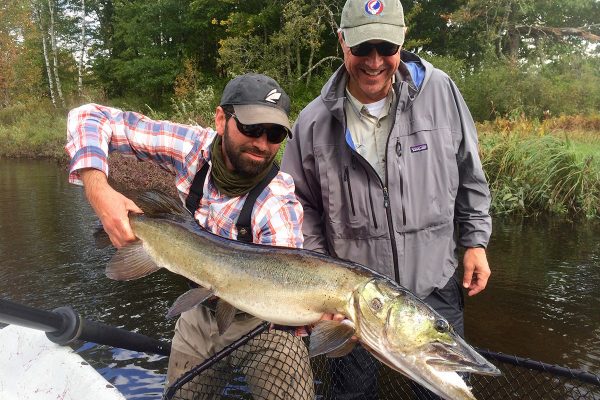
x=257, y=99
x=364, y=20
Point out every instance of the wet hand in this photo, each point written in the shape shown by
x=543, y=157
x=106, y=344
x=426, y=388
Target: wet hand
x=110, y=206
x=477, y=270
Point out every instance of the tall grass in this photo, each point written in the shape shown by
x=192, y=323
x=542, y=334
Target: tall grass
x=32, y=130
x=532, y=171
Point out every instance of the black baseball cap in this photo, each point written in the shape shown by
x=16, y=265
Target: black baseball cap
x=257, y=99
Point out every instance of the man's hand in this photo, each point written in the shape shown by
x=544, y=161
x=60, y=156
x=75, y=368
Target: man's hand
x=477, y=270
x=110, y=206
x=335, y=317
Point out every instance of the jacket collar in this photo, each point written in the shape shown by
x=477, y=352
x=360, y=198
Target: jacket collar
x=333, y=92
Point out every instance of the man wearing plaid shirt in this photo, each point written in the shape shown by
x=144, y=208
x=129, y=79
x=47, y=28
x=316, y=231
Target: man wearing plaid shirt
x=251, y=122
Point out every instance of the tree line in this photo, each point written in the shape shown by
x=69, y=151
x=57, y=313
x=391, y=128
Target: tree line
x=508, y=56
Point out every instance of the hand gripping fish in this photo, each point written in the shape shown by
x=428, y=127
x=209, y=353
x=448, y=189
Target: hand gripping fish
x=295, y=287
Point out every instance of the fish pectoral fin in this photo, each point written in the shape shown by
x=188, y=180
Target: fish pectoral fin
x=189, y=300
x=130, y=262
x=343, y=350
x=224, y=314
x=328, y=336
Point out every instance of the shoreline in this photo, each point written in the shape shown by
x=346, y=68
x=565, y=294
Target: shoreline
x=126, y=173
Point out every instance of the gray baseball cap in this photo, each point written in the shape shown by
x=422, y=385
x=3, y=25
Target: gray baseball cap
x=364, y=20
x=257, y=99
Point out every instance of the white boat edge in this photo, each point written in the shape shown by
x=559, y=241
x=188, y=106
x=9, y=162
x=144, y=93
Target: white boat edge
x=33, y=367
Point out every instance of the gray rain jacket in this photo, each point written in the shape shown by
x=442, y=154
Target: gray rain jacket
x=434, y=193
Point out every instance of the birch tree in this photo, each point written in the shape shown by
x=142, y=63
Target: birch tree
x=38, y=12
x=82, y=43
x=54, y=48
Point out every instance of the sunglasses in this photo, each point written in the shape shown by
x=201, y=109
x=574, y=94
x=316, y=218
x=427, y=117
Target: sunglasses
x=384, y=49
x=275, y=133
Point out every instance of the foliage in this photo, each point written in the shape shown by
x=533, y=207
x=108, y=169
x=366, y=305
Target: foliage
x=532, y=171
x=33, y=129
x=282, y=42
x=196, y=108
x=503, y=89
x=135, y=48
x=19, y=64
x=523, y=29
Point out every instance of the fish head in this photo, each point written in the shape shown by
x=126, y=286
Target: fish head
x=409, y=336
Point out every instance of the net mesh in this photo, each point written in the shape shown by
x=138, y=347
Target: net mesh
x=274, y=365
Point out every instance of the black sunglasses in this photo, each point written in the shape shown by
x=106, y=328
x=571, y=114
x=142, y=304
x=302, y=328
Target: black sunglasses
x=275, y=133
x=384, y=49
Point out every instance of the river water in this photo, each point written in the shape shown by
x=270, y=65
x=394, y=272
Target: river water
x=543, y=301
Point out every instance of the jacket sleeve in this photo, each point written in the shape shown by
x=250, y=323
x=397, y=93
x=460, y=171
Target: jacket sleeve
x=473, y=198
x=299, y=161
x=94, y=130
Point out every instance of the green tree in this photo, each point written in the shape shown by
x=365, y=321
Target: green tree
x=283, y=39
x=521, y=28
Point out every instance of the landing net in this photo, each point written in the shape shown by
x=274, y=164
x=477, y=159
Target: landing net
x=245, y=370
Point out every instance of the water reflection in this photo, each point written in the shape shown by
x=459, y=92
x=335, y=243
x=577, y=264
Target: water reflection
x=48, y=259
x=543, y=300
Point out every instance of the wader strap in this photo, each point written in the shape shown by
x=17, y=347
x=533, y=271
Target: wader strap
x=243, y=224
x=192, y=202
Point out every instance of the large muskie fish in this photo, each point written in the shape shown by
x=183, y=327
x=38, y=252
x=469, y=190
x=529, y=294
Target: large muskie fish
x=295, y=287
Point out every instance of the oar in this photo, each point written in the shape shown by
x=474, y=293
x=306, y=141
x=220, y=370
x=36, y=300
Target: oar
x=64, y=325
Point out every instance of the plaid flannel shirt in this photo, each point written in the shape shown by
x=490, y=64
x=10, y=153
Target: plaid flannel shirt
x=93, y=131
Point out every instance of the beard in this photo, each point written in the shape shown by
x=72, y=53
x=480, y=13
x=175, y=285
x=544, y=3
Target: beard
x=243, y=166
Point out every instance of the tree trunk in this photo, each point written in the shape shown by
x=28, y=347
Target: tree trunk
x=310, y=61
x=82, y=52
x=38, y=16
x=55, y=53
x=314, y=44
x=513, y=43
x=288, y=59
x=298, y=61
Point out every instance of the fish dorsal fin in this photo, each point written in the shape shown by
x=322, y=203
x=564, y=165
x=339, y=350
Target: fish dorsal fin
x=224, y=314
x=342, y=350
x=329, y=335
x=155, y=203
x=130, y=262
x=189, y=300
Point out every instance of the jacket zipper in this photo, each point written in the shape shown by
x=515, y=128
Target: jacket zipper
x=386, y=204
x=399, y=154
x=371, y=200
x=385, y=196
x=347, y=180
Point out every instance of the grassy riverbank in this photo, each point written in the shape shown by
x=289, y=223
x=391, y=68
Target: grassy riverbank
x=33, y=131
x=550, y=167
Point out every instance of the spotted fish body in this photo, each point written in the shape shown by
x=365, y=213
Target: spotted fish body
x=295, y=287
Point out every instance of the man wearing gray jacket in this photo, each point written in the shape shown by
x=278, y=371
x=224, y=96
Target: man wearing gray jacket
x=386, y=166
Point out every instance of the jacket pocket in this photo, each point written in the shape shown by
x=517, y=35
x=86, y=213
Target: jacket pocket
x=345, y=193
x=426, y=174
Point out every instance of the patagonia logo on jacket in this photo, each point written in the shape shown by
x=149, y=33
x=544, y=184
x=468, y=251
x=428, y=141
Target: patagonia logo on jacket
x=418, y=148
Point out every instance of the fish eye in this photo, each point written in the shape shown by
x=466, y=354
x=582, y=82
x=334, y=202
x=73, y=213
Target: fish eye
x=376, y=304
x=441, y=325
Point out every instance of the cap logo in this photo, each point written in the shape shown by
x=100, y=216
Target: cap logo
x=373, y=7
x=273, y=96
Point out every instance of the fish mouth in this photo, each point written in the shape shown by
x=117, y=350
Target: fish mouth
x=458, y=357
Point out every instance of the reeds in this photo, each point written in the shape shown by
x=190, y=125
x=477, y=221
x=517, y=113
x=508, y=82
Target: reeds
x=532, y=171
